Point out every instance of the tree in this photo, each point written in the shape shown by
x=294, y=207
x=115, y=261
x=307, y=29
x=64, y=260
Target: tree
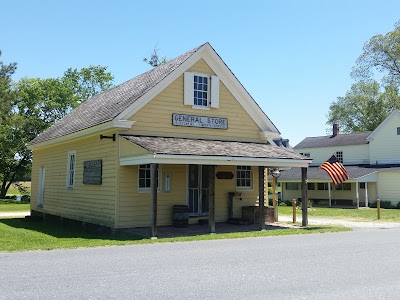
x=36, y=105
x=381, y=53
x=364, y=107
x=368, y=103
x=6, y=92
x=87, y=82
x=155, y=59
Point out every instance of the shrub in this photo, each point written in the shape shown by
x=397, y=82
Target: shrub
x=26, y=198
x=282, y=203
x=384, y=204
x=398, y=205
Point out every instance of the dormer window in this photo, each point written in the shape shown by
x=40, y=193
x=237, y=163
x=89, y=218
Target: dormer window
x=201, y=91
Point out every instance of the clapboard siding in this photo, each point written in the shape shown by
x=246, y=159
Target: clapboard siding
x=357, y=154
x=89, y=203
x=385, y=146
x=156, y=117
x=388, y=186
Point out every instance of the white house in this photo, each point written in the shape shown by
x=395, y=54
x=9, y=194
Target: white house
x=372, y=160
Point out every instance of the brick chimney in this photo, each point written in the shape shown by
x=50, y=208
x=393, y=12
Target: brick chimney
x=335, y=130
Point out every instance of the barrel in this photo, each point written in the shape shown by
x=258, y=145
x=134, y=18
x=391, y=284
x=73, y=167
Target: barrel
x=180, y=215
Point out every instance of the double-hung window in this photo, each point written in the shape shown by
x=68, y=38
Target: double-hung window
x=201, y=91
x=71, y=169
x=244, y=177
x=339, y=156
x=145, y=177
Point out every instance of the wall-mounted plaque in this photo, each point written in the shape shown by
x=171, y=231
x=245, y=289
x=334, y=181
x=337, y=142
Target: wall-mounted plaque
x=199, y=121
x=92, y=171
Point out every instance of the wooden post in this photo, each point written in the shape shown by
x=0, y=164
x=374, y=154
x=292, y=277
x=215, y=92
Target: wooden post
x=261, y=192
x=274, y=200
x=378, y=208
x=357, y=195
x=329, y=194
x=211, y=200
x=153, y=188
x=294, y=210
x=304, y=200
x=366, y=194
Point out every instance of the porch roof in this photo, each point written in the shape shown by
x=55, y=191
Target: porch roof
x=180, y=150
x=315, y=173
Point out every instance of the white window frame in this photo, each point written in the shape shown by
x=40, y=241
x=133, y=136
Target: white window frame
x=240, y=187
x=148, y=189
x=339, y=156
x=71, y=169
x=212, y=90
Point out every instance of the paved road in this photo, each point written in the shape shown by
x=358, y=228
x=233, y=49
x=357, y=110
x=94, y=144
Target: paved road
x=362, y=264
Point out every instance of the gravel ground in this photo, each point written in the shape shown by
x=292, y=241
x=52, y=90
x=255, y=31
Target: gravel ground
x=351, y=224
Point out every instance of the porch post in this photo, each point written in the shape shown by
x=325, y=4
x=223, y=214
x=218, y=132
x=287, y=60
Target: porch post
x=211, y=200
x=329, y=194
x=304, y=199
x=357, y=196
x=261, y=191
x=274, y=199
x=366, y=194
x=153, y=188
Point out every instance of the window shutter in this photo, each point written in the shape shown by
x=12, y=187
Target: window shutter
x=214, y=92
x=188, y=96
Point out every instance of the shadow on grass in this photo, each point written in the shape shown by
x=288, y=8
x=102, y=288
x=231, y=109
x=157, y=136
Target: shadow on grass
x=68, y=231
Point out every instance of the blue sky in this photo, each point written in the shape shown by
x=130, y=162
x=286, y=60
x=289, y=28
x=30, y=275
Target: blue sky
x=294, y=57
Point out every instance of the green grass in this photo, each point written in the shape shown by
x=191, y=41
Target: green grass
x=350, y=214
x=19, y=235
x=12, y=205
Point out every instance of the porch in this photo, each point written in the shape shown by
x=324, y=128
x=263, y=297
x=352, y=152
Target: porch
x=197, y=229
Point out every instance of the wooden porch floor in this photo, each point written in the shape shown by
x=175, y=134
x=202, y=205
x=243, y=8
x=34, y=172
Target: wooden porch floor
x=196, y=229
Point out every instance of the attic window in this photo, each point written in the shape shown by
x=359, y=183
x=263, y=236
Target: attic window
x=398, y=130
x=201, y=90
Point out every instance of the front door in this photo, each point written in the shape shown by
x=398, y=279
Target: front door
x=198, y=189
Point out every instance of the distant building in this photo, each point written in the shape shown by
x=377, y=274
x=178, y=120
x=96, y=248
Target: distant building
x=372, y=160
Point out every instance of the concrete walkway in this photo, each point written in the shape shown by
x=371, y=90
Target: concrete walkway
x=351, y=224
x=14, y=214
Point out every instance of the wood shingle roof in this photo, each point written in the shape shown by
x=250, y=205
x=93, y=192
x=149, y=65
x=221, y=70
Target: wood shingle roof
x=356, y=138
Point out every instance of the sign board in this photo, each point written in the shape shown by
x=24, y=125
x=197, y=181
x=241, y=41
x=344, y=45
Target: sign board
x=199, y=121
x=92, y=171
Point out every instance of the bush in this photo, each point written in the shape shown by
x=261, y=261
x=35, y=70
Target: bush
x=398, y=205
x=282, y=203
x=384, y=204
x=26, y=198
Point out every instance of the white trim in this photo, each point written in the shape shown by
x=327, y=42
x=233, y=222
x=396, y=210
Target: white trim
x=68, y=182
x=214, y=92
x=41, y=186
x=115, y=124
x=211, y=160
x=148, y=190
x=245, y=188
x=225, y=75
x=371, y=136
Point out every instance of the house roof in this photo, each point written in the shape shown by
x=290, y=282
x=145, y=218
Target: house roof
x=198, y=147
x=315, y=173
x=121, y=102
x=349, y=139
x=106, y=106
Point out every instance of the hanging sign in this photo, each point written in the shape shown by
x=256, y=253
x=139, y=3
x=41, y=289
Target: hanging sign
x=199, y=121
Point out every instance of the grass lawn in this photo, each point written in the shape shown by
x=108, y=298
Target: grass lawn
x=351, y=214
x=12, y=205
x=19, y=235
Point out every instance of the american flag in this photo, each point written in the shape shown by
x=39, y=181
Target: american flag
x=335, y=170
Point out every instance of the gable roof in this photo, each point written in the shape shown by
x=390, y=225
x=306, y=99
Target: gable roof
x=383, y=124
x=121, y=102
x=106, y=106
x=356, y=138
